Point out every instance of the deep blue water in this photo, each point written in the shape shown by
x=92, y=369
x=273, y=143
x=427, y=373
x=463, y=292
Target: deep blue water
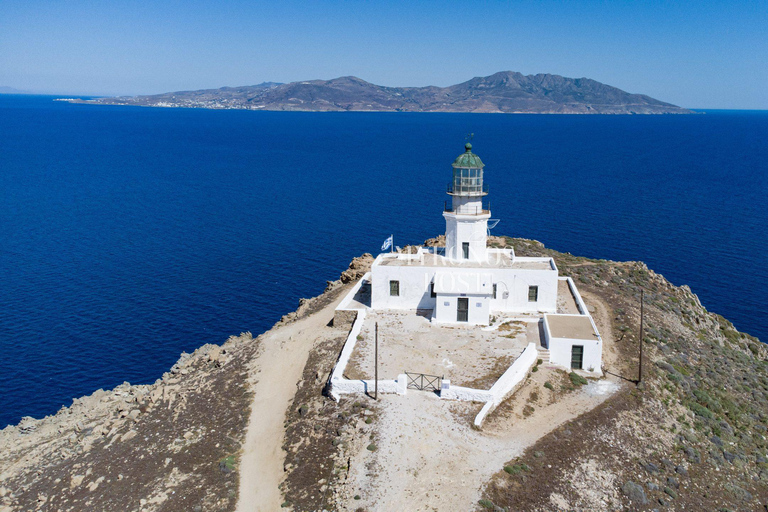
x=128, y=235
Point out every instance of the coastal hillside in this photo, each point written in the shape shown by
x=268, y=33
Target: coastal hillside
x=206, y=436
x=503, y=92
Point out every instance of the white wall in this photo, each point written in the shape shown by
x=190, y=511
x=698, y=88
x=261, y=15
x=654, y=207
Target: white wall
x=512, y=290
x=339, y=385
x=414, y=281
x=560, y=349
x=466, y=228
x=447, y=306
x=509, y=381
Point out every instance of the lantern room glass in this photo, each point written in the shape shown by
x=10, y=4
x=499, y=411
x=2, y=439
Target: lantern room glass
x=467, y=181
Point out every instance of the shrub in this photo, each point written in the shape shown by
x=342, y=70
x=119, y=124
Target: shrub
x=700, y=410
x=487, y=504
x=549, y=386
x=539, y=361
x=534, y=369
x=227, y=464
x=372, y=447
x=577, y=379
x=517, y=469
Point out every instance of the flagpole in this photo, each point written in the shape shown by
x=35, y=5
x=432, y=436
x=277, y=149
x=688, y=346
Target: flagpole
x=392, y=247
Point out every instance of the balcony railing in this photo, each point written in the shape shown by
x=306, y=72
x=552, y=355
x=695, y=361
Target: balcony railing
x=485, y=209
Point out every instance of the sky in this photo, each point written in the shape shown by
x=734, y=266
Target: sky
x=698, y=54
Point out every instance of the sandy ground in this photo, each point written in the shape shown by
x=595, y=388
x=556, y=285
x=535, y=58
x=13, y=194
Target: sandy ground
x=274, y=374
x=429, y=457
x=410, y=342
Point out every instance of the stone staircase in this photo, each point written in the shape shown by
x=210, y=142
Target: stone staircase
x=543, y=354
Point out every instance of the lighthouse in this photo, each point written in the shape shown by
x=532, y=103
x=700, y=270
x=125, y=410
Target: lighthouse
x=463, y=285
x=465, y=281
x=466, y=217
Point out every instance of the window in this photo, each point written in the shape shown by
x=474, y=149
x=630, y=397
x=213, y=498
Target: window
x=494, y=290
x=394, y=288
x=533, y=293
x=432, y=290
x=465, y=248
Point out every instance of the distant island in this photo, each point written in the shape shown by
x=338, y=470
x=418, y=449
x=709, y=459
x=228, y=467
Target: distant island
x=4, y=89
x=503, y=92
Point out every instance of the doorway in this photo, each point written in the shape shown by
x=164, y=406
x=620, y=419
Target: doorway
x=462, y=310
x=577, y=357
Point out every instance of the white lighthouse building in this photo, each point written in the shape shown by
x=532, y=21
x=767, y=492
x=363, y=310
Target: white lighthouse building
x=465, y=281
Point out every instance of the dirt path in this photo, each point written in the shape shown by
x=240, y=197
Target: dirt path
x=274, y=375
x=429, y=457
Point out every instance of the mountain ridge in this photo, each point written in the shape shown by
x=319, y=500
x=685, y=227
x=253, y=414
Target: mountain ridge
x=502, y=92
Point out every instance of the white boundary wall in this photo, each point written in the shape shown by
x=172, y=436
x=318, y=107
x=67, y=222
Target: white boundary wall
x=560, y=348
x=344, y=304
x=339, y=385
x=508, y=382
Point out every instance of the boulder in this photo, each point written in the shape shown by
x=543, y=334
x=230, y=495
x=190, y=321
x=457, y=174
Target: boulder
x=634, y=492
x=357, y=268
x=76, y=481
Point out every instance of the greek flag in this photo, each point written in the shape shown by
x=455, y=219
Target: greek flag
x=387, y=243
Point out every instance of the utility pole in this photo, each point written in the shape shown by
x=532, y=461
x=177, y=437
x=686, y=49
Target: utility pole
x=376, y=362
x=642, y=301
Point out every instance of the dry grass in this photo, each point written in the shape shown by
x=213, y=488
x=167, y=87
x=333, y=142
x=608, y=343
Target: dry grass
x=489, y=378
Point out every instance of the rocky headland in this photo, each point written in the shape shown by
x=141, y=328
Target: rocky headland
x=691, y=436
x=503, y=92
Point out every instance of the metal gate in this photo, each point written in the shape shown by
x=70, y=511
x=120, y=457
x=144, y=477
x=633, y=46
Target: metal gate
x=423, y=382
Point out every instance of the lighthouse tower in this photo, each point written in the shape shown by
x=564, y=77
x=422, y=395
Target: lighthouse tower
x=466, y=219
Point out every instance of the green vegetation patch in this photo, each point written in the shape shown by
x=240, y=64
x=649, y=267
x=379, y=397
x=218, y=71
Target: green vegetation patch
x=228, y=464
x=577, y=379
x=517, y=469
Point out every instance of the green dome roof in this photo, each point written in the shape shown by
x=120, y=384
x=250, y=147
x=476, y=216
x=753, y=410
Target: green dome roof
x=468, y=159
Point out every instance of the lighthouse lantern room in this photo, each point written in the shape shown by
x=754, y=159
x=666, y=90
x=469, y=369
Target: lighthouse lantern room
x=466, y=218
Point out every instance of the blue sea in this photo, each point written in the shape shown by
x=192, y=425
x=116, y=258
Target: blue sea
x=129, y=235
